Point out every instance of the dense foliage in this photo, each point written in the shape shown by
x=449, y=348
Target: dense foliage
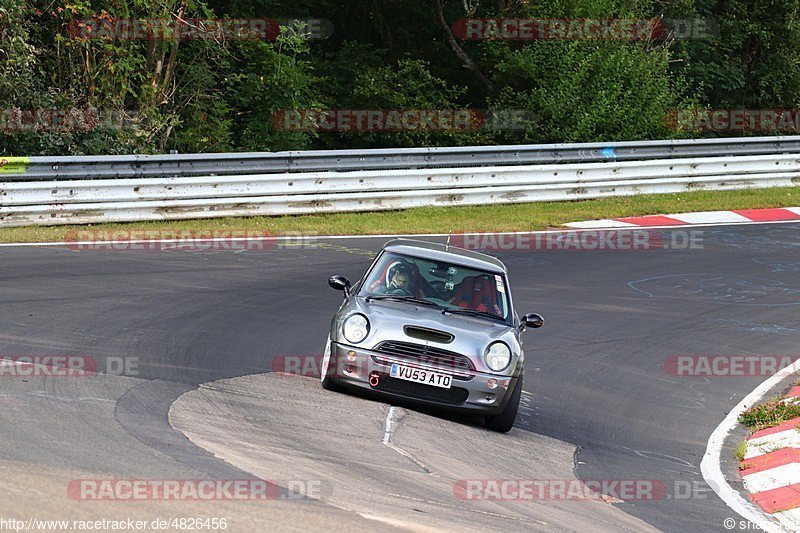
x=196, y=95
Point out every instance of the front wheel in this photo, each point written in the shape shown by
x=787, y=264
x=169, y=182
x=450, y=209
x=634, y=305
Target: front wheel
x=504, y=420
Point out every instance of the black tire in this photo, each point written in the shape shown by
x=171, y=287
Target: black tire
x=327, y=381
x=504, y=420
x=329, y=384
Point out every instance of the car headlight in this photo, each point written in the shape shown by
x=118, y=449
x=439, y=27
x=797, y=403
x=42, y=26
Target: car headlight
x=356, y=328
x=497, y=356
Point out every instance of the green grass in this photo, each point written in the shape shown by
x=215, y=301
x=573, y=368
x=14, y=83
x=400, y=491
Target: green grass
x=508, y=217
x=740, y=450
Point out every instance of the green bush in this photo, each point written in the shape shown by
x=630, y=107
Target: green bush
x=221, y=95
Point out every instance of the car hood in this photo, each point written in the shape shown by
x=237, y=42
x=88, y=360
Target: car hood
x=471, y=335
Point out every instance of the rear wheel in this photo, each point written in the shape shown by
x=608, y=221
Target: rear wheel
x=325, y=373
x=504, y=420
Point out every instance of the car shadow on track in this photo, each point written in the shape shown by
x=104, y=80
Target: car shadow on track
x=441, y=413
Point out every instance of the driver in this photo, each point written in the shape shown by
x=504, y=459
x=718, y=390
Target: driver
x=401, y=279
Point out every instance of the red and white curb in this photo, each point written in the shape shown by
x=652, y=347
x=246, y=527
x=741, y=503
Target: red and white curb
x=771, y=469
x=711, y=465
x=739, y=216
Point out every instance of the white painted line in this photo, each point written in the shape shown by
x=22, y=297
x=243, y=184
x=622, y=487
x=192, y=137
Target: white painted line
x=711, y=217
x=387, y=433
x=795, y=210
x=710, y=465
x=783, y=439
x=604, y=223
x=387, y=441
x=774, y=478
x=53, y=396
x=300, y=238
x=684, y=226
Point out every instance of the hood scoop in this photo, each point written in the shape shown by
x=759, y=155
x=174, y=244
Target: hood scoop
x=427, y=334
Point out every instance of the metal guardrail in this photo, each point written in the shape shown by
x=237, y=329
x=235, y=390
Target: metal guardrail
x=75, y=190
x=220, y=164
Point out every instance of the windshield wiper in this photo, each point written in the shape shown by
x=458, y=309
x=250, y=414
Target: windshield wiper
x=473, y=312
x=410, y=299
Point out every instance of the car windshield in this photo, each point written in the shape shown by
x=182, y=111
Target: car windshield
x=450, y=286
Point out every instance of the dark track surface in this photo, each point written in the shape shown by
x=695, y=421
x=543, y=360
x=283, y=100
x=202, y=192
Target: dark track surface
x=596, y=369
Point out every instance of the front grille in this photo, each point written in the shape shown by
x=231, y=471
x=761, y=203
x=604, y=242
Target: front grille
x=451, y=396
x=427, y=355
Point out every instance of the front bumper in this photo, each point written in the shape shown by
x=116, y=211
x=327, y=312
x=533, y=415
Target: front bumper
x=470, y=391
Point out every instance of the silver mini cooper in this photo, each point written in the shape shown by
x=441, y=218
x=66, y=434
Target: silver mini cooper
x=432, y=324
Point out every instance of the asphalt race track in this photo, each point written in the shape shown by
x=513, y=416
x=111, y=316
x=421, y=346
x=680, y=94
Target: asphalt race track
x=595, y=375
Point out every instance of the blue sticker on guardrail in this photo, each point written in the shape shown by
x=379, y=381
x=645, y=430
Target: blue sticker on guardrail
x=9, y=165
x=610, y=153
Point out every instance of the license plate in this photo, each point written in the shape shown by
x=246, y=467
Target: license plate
x=417, y=375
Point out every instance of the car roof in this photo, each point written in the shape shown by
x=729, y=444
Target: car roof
x=445, y=253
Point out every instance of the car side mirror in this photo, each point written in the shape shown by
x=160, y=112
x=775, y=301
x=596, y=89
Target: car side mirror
x=532, y=320
x=340, y=283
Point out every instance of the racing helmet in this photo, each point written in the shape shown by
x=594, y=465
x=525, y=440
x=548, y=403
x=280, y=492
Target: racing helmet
x=399, y=266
